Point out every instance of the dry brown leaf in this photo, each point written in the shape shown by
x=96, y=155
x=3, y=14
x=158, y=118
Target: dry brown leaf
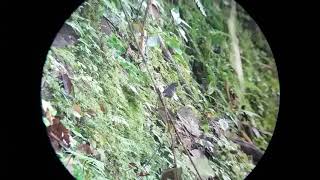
x=196, y=153
x=102, y=108
x=133, y=165
x=91, y=112
x=246, y=137
x=189, y=120
x=143, y=174
x=59, y=131
x=154, y=10
x=209, y=115
x=67, y=84
x=77, y=108
x=172, y=173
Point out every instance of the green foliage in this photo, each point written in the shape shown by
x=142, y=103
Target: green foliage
x=127, y=130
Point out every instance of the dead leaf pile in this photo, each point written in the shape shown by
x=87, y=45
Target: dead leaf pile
x=59, y=134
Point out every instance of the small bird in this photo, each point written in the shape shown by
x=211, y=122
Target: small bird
x=249, y=149
x=170, y=90
x=217, y=49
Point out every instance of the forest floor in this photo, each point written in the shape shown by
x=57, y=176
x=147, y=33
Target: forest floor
x=138, y=90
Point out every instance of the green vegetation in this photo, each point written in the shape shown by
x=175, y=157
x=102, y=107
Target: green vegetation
x=112, y=103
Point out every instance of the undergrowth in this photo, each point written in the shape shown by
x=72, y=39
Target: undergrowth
x=118, y=104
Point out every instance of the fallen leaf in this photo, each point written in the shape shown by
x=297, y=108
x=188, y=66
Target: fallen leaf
x=143, y=41
x=138, y=27
x=77, y=111
x=246, y=137
x=46, y=106
x=256, y=132
x=102, y=108
x=209, y=115
x=154, y=10
x=189, y=120
x=48, y=110
x=143, y=174
x=132, y=165
x=153, y=41
x=91, y=112
x=49, y=117
x=59, y=131
x=223, y=124
x=163, y=114
x=106, y=26
x=77, y=108
x=196, y=153
x=67, y=84
x=172, y=173
x=203, y=166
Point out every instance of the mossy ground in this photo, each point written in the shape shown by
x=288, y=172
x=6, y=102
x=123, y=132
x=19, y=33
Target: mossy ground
x=128, y=128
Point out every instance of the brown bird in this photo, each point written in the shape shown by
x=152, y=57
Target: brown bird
x=249, y=149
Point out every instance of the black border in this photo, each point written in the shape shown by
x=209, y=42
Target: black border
x=28, y=151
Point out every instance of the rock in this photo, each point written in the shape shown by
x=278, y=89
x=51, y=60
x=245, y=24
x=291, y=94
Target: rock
x=189, y=121
x=105, y=26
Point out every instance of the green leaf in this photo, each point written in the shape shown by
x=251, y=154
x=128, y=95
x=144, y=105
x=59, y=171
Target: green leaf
x=46, y=121
x=183, y=34
x=153, y=41
x=199, y=4
x=211, y=88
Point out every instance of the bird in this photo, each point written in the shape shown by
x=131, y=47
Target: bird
x=217, y=49
x=170, y=90
x=249, y=149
